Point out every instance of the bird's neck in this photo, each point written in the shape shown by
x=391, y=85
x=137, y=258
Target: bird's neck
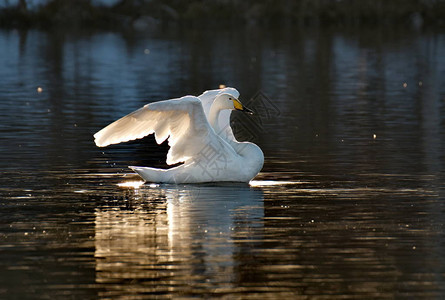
x=214, y=116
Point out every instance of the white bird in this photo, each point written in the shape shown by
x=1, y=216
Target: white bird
x=199, y=135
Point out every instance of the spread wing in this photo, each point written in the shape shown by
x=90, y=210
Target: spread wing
x=207, y=99
x=181, y=120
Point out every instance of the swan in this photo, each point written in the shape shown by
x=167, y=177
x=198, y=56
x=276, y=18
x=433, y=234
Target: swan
x=199, y=135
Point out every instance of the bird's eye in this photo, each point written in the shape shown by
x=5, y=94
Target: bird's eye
x=230, y=98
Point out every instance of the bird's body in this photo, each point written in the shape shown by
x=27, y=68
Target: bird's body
x=199, y=134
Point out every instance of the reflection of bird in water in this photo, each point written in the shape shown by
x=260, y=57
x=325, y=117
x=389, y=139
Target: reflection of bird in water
x=199, y=134
x=174, y=238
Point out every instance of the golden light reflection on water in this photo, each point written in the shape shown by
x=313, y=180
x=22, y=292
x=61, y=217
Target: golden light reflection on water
x=131, y=184
x=206, y=239
x=174, y=239
x=253, y=183
x=263, y=183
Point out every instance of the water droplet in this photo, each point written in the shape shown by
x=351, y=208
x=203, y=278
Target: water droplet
x=146, y=51
x=222, y=86
x=374, y=136
x=39, y=89
x=405, y=84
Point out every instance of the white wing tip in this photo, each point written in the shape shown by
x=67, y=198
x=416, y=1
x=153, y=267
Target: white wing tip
x=98, y=142
x=101, y=145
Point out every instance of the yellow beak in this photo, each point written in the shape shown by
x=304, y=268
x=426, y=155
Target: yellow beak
x=239, y=106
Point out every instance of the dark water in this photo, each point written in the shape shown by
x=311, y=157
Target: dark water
x=349, y=204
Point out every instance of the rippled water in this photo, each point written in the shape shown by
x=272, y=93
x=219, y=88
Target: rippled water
x=349, y=203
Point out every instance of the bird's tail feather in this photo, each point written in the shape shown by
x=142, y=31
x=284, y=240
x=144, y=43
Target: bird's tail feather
x=150, y=174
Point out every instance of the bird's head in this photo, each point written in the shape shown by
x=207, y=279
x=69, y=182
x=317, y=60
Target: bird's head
x=227, y=101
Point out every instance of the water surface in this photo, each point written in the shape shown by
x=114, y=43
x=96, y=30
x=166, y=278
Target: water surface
x=349, y=203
